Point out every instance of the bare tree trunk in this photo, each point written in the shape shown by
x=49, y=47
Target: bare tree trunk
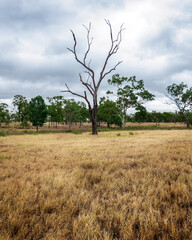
x=93, y=113
x=123, y=120
x=186, y=119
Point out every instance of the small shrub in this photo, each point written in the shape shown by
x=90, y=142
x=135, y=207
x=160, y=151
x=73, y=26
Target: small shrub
x=75, y=131
x=118, y=134
x=24, y=124
x=2, y=133
x=131, y=133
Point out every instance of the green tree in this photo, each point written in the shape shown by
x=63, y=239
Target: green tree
x=4, y=112
x=21, y=104
x=56, y=109
x=109, y=112
x=130, y=93
x=181, y=96
x=141, y=114
x=72, y=112
x=84, y=113
x=156, y=117
x=37, y=111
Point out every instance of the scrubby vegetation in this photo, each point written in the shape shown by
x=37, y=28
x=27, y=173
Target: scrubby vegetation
x=117, y=185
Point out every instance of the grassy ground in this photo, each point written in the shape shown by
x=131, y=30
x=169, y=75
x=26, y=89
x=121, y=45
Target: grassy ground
x=117, y=185
x=17, y=129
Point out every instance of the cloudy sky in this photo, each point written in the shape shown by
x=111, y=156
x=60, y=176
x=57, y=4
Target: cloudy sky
x=35, y=34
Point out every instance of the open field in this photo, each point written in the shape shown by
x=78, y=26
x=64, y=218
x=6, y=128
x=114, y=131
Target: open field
x=16, y=128
x=117, y=185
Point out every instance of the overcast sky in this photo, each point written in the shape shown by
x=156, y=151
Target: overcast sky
x=35, y=34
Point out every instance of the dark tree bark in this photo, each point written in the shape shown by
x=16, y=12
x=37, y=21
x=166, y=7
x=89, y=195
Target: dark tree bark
x=186, y=119
x=93, y=114
x=92, y=85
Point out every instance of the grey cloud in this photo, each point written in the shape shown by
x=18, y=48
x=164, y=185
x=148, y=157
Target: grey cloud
x=103, y=3
x=47, y=24
x=24, y=15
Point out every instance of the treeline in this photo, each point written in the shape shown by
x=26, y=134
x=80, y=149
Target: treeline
x=129, y=93
x=158, y=117
x=59, y=111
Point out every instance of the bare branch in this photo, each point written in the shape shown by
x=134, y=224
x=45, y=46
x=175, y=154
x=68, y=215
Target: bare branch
x=87, y=85
x=111, y=33
x=76, y=94
x=75, y=44
x=112, y=69
x=89, y=42
x=87, y=101
x=83, y=63
x=113, y=49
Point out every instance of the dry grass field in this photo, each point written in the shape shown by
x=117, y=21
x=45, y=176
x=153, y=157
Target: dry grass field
x=117, y=185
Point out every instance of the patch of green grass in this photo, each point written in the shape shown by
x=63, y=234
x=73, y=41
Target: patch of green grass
x=2, y=134
x=4, y=157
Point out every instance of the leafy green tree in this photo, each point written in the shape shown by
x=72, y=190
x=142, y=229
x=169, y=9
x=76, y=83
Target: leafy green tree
x=37, y=111
x=72, y=112
x=109, y=112
x=141, y=114
x=4, y=113
x=130, y=118
x=56, y=109
x=156, y=117
x=190, y=117
x=21, y=104
x=84, y=113
x=181, y=96
x=130, y=93
x=169, y=117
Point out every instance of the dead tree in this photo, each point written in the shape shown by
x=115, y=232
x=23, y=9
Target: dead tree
x=91, y=84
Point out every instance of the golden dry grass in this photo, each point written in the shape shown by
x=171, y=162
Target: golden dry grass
x=64, y=186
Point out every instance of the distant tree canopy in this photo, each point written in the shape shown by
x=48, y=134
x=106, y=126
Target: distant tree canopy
x=72, y=112
x=181, y=95
x=4, y=112
x=55, y=109
x=130, y=93
x=141, y=114
x=21, y=104
x=109, y=112
x=37, y=111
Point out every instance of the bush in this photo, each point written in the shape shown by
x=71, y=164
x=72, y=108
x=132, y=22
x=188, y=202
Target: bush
x=75, y=131
x=24, y=124
x=2, y=133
